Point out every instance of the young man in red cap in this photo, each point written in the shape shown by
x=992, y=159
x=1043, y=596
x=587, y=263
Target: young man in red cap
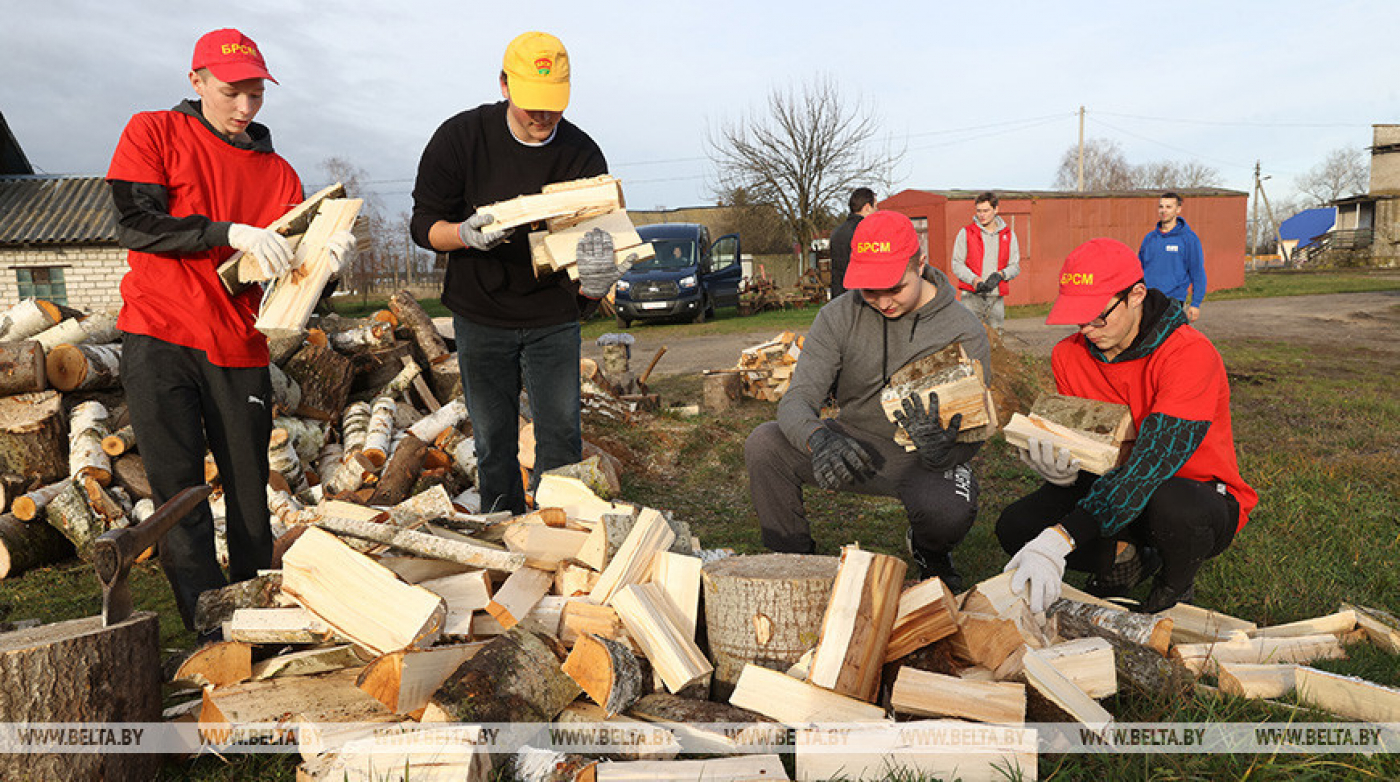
x=896, y=309
x=1179, y=499
x=191, y=185
x=512, y=326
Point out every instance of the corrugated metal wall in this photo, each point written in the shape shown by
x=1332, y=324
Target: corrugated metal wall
x=56, y=210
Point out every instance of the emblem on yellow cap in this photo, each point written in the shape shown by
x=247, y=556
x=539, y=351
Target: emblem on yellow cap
x=543, y=66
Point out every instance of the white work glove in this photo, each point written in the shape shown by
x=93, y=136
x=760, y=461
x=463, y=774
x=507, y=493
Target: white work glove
x=1039, y=566
x=269, y=248
x=469, y=231
x=1055, y=465
x=598, y=268
x=342, y=246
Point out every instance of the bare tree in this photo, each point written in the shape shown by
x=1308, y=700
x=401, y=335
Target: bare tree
x=1345, y=171
x=378, y=258
x=802, y=154
x=761, y=227
x=1107, y=168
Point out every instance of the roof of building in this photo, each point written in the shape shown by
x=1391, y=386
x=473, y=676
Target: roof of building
x=40, y=210
x=1017, y=195
x=1308, y=224
x=12, y=157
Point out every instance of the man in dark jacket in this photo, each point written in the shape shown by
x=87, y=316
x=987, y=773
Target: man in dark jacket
x=899, y=310
x=511, y=326
x=862, y=203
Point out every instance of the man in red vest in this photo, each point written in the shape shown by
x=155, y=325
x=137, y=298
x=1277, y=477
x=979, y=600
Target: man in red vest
x=985, y=257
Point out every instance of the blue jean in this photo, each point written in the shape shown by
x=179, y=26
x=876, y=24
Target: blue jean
x=494, y=362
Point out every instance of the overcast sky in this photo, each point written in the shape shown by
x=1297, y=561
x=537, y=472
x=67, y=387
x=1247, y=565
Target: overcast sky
x=984, y=95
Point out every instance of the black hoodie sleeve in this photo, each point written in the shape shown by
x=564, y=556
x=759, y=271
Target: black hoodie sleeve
x=144, y=222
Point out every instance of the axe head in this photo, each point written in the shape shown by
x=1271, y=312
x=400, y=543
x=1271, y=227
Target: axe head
x=116, y=602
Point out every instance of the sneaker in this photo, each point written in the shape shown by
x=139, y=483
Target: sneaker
x=935, y=564
x=1163, y=597
x=1123, y=577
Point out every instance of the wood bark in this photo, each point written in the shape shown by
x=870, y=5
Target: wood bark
x=28, y=506
x=81, y=672
x=765, y=609
x=34, y=436
x=516, y=677
x=425, y=334
x=84, y=367
x=87, y=426
x=380, y=430
x=424, y=545
x=119, y=442
x=369, y=337
x=444, y=418
x=721, y=391
x=22, y=368
x=324, y=377
x=375, y=368
x=856, y=628
x=70, y=514
x=400, y=474
x=216, y=606
x=130, y=474
x=1077, y=620
x=607, y=671
x=282, y=345
x=282, y=458
x=26, y=319
x=27, y=546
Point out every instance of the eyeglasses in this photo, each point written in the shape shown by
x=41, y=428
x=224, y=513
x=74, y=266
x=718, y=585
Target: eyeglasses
x=1102, y=319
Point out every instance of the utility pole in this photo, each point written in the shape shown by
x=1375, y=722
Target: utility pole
x=1081, y=149
x=1254, y=216
x=1269, y=211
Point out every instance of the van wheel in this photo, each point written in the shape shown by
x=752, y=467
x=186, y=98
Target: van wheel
x=699, y=316
x=622, y=322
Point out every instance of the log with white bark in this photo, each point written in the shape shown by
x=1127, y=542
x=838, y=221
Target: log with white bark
x=22, y=368
x=282, y=459
x=33, y=436
x=380, y=430
x=425, y=335
x=328, y=462
x=294, y=625
x=97, y=329
x=424, y=545
x=286, y=392
x=1191, y=625
x=307, y=435
x=84, y=367
x=27, y=506
x=71, y=514
x=216, y=606
x=87, y=426
x=1063, y=693
x=370, y=336
x=119, y=442
x=27, y=318
x=446, y=417
x=516, y=677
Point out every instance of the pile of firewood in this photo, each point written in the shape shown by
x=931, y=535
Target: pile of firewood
x=763, y=372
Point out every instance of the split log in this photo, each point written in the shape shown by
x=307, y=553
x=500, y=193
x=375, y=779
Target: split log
x=419, y=570
x=518, y=595
x=927, y=613
x=324, y=377
x=544, y=547
x=425, y=335
x=516, y=677
x=84, y=367
x=24, y=547
x=573, y=200
x=573, y=580
x=580, y=617
x=1192, y=625
x=1094, y=455
x=1076, y=620
x=216, y=606
x=545, y=765
x=425, y=506
x=401, y=472
x=358, y=597
x=324, y=698
x=309, y=662
x=33, y=436
x=650, y=536
x=903, y=752
x=22, y=368
x=1338, y=623
x=293, y=625
x=927, y=694
x=692, y=720
x=678, y=575
x=856, y=628
x=98, y=329
x=465, y=594
x=1087, y=662
x=405, y=680
x=621, y=738
x=374, y=369
x=765, y=609
x=217, y=664
x=81, y=672
x=1062, y=692
x=577, y=500
x=1139, y=665
x=795, y=702
x=291, y=300
x=1203, y=658
x=424, y=545
x=242, y=269
x=652, y=622
x=543, y=618
x=1249, y=680
x=1383, y=629
x=1348, y=696
x=985, y=639
x=607, y=671
x=27, y=318
x=737, y=769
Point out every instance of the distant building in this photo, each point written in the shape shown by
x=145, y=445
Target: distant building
x=58, y=235
x=1050, y=223
x=1306, y=230
x=1368, y=226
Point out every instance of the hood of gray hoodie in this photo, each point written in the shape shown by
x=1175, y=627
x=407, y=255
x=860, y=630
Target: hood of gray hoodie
x=852, y=345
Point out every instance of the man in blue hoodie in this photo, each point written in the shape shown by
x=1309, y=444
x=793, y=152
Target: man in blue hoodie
x=1172, y=260
x=897, y=309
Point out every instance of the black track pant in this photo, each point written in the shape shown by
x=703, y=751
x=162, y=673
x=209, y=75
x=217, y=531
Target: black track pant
x=180, y=404
x=941, y=505
x=1187, y=522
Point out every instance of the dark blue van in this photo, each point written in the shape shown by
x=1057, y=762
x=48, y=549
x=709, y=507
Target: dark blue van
x=688, y=278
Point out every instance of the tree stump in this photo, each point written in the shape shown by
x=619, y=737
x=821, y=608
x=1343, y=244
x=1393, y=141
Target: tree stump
x=81, y=672
x=22, y=368
x=34, y=436
x=516, y=677
x=324, y=377
x=765, y=609
x=721, y=391
x=27, y=546
x=85, y=367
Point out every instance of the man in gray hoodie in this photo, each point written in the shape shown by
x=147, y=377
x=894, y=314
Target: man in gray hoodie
x=896, y=309
x=985, y=258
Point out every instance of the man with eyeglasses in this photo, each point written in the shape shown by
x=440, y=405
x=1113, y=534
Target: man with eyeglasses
x=1178, y=500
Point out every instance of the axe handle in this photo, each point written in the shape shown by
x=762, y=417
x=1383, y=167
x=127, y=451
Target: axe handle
x=643, y=379
x=114, y=551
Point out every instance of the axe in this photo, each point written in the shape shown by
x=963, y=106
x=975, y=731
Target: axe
x=114, y=551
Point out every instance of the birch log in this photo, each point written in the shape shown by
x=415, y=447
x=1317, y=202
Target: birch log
x=425, y=334
x=27, y=318
x=26, y=507
x=84, y=367
x=87, y=427
x=424, y=545
x=97, y=329
x=27, y=546
x=380, y=431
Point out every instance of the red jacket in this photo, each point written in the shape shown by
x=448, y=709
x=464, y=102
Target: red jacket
x=975, y=251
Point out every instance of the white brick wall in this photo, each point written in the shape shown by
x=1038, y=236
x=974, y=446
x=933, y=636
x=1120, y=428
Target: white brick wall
x=92, y=273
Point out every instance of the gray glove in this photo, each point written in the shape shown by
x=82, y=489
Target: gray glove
x=1055, y=465
x=268, y=248
x=598, y=268
x=838, y=460
x=469, y=231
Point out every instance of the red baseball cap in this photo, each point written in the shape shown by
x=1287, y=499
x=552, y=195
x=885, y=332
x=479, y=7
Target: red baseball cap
x=883, y=243
x=1091, y=276
x=231, y=56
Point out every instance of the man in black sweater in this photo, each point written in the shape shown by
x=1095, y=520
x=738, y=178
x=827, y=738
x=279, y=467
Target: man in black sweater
x=862, y=203
x=512, y=327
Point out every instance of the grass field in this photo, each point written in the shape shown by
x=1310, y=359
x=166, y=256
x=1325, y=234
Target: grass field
x=1317, y=429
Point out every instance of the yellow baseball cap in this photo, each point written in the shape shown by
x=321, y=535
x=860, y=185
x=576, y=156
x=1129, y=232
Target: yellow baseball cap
x=537, y=72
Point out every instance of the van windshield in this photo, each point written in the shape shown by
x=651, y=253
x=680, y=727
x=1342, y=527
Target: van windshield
x=670, y=254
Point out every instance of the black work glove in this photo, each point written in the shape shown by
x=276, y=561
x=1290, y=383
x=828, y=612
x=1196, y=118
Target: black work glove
x=926, y=430
x=990, y=284
x=838, y=460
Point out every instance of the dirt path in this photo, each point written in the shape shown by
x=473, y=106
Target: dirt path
x=1330, y=321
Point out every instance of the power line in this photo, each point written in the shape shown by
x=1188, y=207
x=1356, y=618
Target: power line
x=1242, y=124
x=1183, y=150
